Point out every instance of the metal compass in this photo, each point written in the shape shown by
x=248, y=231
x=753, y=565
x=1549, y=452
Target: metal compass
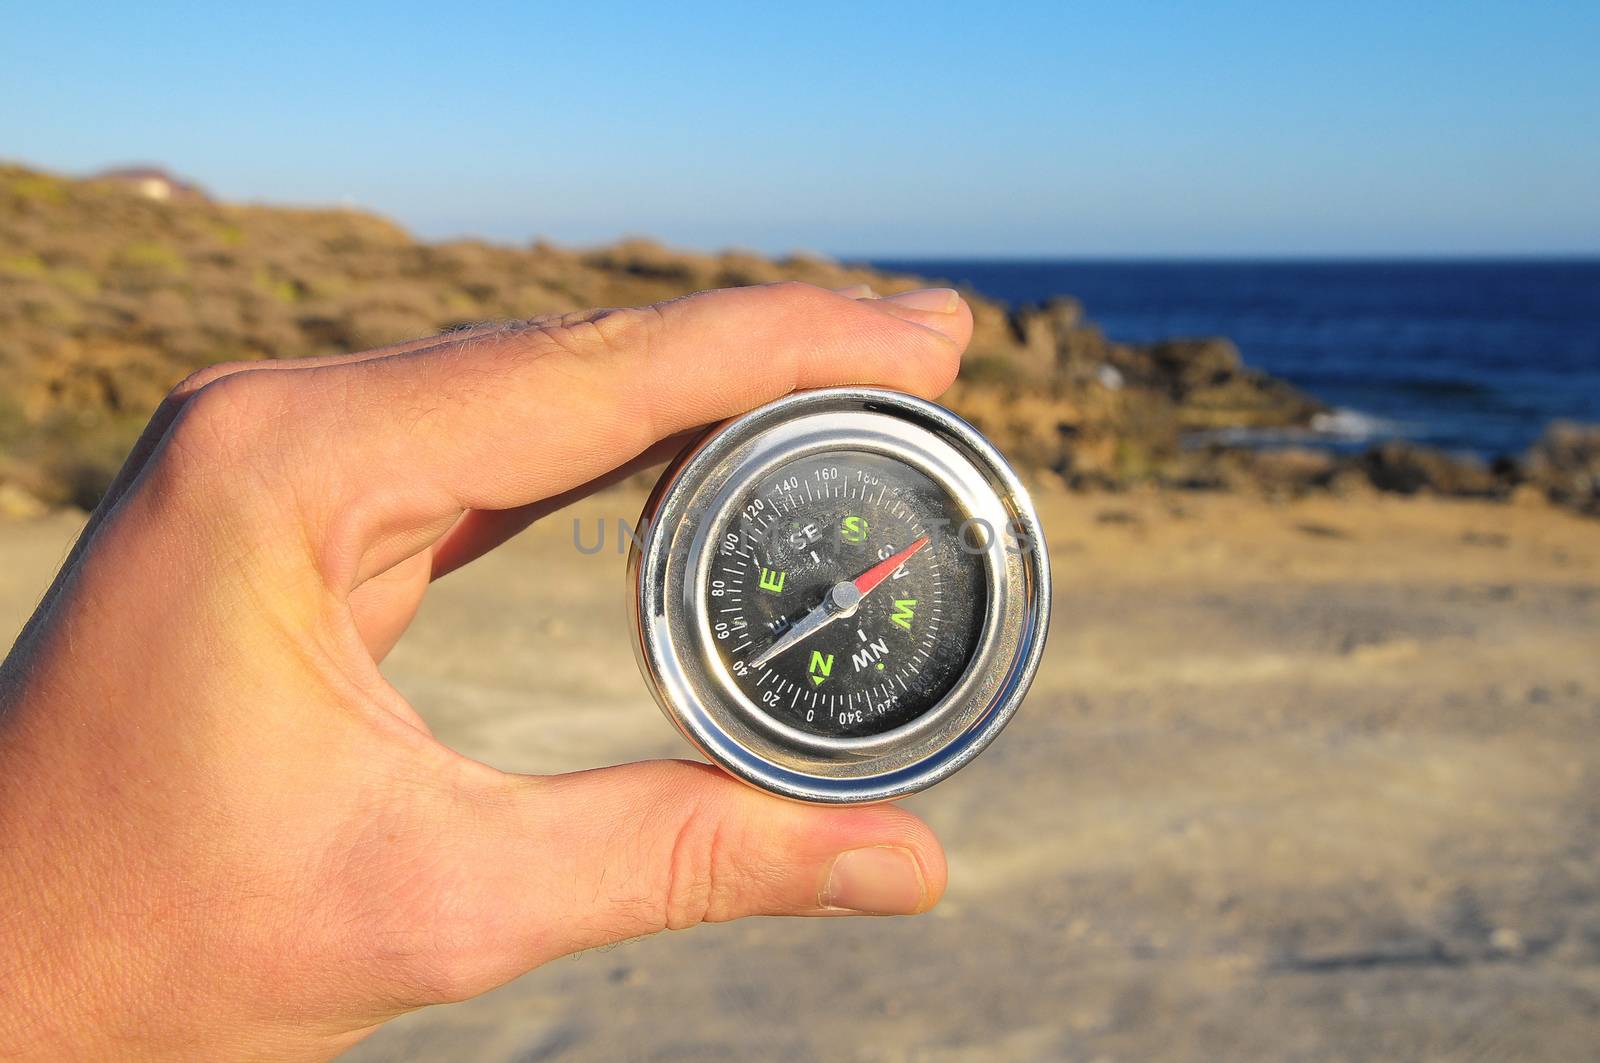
x=841, y=596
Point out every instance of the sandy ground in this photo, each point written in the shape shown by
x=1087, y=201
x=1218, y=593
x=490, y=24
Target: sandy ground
x=1307, y=780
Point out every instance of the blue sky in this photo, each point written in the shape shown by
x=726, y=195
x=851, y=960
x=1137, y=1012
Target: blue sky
x=1036, y=129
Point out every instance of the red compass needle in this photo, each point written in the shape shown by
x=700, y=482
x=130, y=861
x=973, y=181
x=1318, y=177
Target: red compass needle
x=840, y=601
x=880, y=572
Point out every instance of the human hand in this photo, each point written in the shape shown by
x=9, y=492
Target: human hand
x=223, y=834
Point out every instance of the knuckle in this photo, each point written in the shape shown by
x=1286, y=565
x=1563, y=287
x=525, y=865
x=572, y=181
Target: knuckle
x=697, y=872
x=220, y=412
x=629, y=331
x=580, y=335
x=221, y=426
x=534, y=326
x=200, y=378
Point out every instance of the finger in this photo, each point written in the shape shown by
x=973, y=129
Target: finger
x=512, y=418
x=695, y=845
x=481, y=530
x=598, y=392
x=167, y=410
x=601, y=856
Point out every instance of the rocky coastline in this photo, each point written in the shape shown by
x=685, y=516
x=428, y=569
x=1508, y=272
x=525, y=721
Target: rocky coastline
x=109, y=295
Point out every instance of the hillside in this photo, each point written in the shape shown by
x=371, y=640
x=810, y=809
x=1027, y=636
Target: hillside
x=108, y=297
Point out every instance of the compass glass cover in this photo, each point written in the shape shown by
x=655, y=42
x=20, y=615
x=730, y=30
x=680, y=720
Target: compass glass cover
x=865, y=576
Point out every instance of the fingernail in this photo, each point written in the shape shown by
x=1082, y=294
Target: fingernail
x=856, y=291
x=937, y=300
x=883, y=880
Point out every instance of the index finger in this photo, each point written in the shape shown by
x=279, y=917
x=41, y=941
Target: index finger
x=506, y=419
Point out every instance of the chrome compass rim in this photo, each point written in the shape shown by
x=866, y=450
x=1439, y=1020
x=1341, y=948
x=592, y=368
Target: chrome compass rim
x=670, y=559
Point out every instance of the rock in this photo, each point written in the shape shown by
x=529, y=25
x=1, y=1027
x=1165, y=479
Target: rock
x=1214, y=389
x=1408, y=469
x=1189, y=364
x=1033, y=428
x=1565, y=465
x=1039, y=331
x=1056, y=341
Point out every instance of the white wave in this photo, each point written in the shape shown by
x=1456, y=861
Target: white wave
x=1350, y=425
x=1338, y=426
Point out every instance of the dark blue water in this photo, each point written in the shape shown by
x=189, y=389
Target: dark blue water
x=1467, y=355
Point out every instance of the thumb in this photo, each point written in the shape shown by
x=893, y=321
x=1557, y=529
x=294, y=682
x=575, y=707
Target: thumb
x=669, y=844
x=621, y=852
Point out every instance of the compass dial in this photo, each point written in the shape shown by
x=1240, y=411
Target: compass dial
x=848, y=594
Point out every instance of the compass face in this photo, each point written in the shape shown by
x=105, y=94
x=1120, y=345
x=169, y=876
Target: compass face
x=848, y=593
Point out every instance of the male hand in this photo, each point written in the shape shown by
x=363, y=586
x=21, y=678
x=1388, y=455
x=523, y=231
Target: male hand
x=223, y=834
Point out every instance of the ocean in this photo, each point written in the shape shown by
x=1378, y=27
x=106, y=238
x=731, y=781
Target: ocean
x=1471, y=355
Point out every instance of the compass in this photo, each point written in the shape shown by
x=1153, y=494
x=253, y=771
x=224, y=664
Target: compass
x=841, y=596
